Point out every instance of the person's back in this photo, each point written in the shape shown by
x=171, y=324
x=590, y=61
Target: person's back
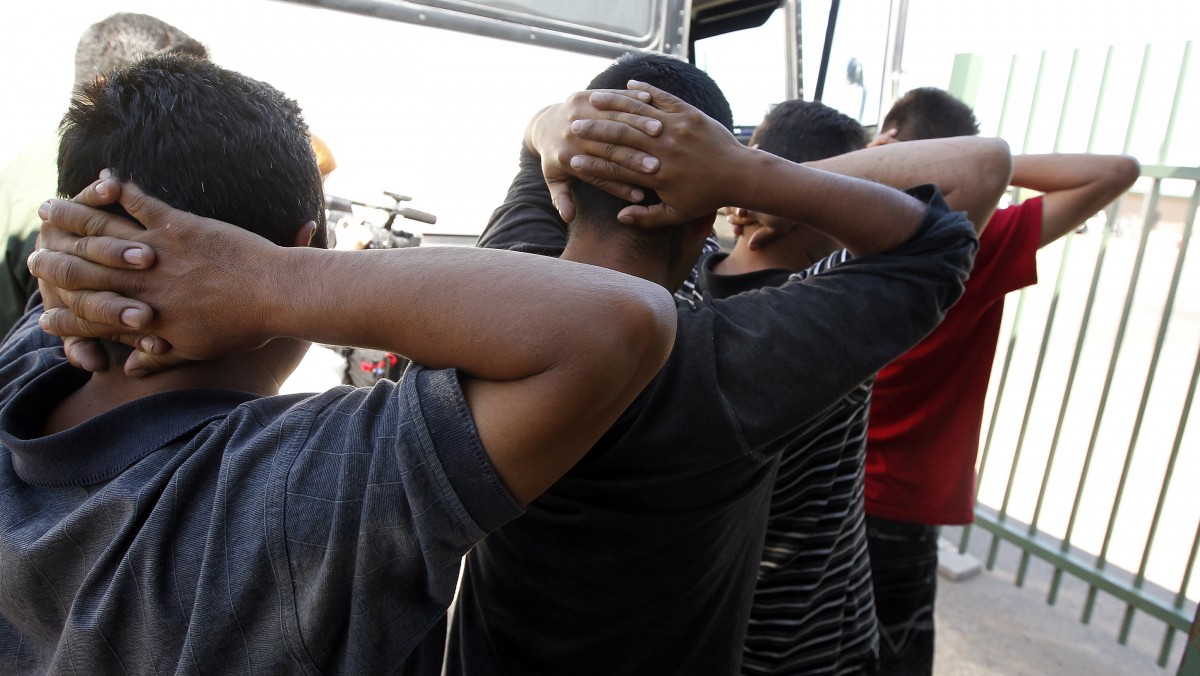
x=643, y=558
x=927, y=408
x=812, y=610
x=188, y=520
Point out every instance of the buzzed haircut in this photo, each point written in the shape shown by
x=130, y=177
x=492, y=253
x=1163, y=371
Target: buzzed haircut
x=124, y=38
x=929, y=112
x=680, y=78
x=806, y=131
x=200, y=138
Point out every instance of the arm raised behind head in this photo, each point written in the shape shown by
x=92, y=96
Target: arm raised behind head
x=971, y=172
x=549, y=352
x=1075, y=186
x=703, y=167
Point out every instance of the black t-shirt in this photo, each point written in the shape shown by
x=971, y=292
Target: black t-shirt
x=642, y=559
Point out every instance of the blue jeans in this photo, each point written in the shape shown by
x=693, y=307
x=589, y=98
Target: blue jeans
x=904, y=577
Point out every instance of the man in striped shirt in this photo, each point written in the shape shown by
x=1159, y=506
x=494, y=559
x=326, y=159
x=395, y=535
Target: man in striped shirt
x=813, y=610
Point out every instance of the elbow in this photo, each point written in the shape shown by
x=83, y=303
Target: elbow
x=643, y=325
x=653, y=334
x=997, y=171
x=1126, y=170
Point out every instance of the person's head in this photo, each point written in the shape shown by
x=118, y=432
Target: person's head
x=596, y=210
x=805, y=131
x=802, y=131
x=124, y=38
x=200, y=138
x=929, y=112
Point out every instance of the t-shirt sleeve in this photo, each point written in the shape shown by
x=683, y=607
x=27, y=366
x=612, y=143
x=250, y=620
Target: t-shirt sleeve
x=783, y=354
x=1008, y=247
x=391, y=489
x=526, y=220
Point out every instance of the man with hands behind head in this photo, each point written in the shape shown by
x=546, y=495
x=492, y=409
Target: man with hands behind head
x=190, y=519
x=642, y=559
x=927, y=410
x=813, y=610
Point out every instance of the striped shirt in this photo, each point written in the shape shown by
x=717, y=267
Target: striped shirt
x=813, y=610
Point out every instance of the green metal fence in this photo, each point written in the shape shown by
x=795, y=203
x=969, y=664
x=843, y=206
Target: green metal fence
x=1087, y=463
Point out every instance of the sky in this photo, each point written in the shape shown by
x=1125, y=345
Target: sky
x=439, y=116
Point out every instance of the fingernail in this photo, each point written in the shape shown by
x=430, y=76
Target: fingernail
x=653, y=126
x=102, y=188
x=133, y=256
x=638, y=195
x=131, y=317
x=30, y=259
x=44, y=321
x=105, y=173
x=649, y=163
x=146, y=345
x=577, y=125
x=577, y=161
x=44, y=211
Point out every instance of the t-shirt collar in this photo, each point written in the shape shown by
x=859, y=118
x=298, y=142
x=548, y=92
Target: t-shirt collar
x=100, y=448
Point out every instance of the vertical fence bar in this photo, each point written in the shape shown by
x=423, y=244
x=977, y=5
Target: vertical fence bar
x=1118, y=344
x=1168, y=639
x=1012, y=470
x=1102, y=249
x=1189, y=665
x=1181, y=596
x=1169, y=135
x=1164, y=325
x=1148, y=222
x=1023, y=566
x=965, y=538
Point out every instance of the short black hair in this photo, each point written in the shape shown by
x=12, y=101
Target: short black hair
x=125, y=38
x=680, y=78
x=929, y=112
x=200, y=138
x=806, y=131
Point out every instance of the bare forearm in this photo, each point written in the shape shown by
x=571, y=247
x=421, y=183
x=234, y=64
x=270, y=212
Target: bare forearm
x=971, y=172
x=515, y=316
x=1075, y=186
x=864, y=216
x=1062, y=171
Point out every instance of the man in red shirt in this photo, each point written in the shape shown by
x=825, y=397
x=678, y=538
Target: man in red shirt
x=927, y=410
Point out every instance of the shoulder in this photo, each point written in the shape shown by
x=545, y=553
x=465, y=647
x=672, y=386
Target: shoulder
x=1014, y=228
x=1027, y=214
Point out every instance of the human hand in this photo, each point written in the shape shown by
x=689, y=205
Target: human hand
x=884, y=138
x=738, y=219
x=767, y=228
x=105, y=247
x=698, y=157
x=200, y=284
x=550, y=136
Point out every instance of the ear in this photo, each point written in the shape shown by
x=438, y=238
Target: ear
x=304, y=234
x=698, y=229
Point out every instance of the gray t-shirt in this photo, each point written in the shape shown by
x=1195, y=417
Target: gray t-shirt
x=209, y=531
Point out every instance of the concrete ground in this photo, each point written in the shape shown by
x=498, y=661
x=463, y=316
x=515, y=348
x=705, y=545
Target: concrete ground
x=987, y=626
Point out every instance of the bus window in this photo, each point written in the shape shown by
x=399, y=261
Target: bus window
x=598, y=27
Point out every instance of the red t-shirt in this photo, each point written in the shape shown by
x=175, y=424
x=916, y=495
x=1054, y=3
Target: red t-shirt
x=927, y=407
